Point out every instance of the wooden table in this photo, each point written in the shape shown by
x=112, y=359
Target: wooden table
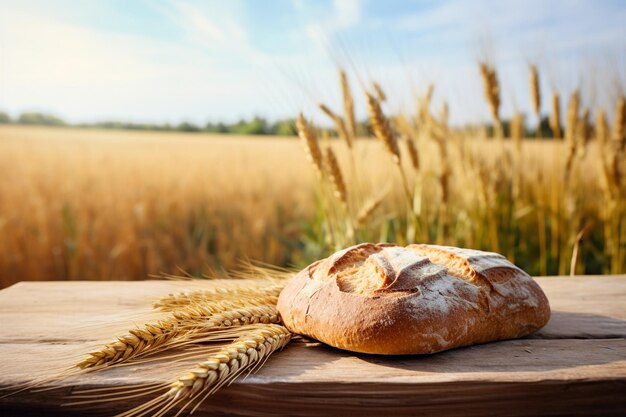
x=576, y=365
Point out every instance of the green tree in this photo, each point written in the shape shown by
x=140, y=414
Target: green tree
x=257, y=126
x=4, y=118
x=283, y=128
x=36, y=118
x=187, y=127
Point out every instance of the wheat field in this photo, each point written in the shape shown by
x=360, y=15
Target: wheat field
x=87, y=204
x=102, y=204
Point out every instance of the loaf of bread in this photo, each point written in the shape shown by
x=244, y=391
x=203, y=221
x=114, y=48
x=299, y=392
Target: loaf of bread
x=388, y=299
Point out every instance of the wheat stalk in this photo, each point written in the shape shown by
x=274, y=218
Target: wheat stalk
x=366, y=212
x=571, y=130
x=383, y=131
x=517, y=132
x=492, y=94
x=601, y=130
x=378, y=91
x=535, y=92
x=348, y=104
x=156, y=335
x=311, y=144
x=336, y=177
x=413, y=154
x=406, y=129
x=535, y=96
x=424, y=105
x=264, y=314
x=246, y=353
x=339, y=125
x=584, y=131
x=602, y=137
x=555, y=116
x=572, y=118
x=619, y=124
x=619, y=145
x=172, y=302
x=444, y=116
x=382, y=128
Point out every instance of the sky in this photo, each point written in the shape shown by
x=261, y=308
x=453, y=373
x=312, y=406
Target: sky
x=204, y=61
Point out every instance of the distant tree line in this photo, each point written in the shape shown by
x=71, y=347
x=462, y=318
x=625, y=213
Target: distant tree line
x=33, y=118
x=254, y=126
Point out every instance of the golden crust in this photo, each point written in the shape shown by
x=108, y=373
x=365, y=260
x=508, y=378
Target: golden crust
x=387, y=299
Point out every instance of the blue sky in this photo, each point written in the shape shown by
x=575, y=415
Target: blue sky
x=168, y=61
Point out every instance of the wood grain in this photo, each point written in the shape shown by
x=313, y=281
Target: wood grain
x=576, y=365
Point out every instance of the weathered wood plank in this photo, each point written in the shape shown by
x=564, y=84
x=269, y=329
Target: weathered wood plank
x=576, y=365
x=554, y=377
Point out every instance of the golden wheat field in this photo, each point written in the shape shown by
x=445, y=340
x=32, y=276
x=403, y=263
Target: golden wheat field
x=84, y=204
x=101, y=204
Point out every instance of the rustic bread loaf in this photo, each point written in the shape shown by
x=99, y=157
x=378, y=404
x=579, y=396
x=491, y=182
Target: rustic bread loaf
x=388, y=299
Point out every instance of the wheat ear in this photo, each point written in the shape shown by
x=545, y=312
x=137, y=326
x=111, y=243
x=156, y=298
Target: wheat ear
x=619, y=124
x=336, y=177
x=225, y=325
x=602, y=138
x=378, y=91
x=492, y=94
x=517, y=132
x=571, y=130
x=413, y=154
x=517, y=135
x=535, y=92
x=245, y=354
x=619, y=141
x=572, y=118
x=535, y=96
x=263, y=314
x=382, y=128
x=423, y=112
x=601, y=129
x=311, y=144
x=173, y=302
x=156, y=335
x=366, y=212
x=555, y=116
x=348, y=104
x=584, y=130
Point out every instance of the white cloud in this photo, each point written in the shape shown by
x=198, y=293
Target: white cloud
x=198, y=23
x=85, y=74
x=347, y=13
x=216, y=68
